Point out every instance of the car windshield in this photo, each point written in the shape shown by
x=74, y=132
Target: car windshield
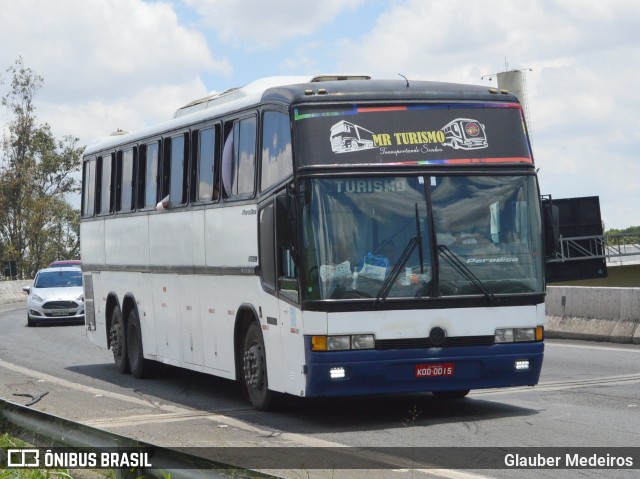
x=58, y=279
x=371, y=237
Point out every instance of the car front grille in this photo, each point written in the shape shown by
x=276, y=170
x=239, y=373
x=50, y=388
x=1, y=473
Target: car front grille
x=60, y=305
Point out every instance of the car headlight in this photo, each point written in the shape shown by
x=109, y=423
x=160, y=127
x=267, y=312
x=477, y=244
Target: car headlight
x=80, y=298
x=37, y=298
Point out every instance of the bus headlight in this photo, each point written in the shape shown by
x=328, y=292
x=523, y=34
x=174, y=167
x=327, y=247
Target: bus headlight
x=518, y=335
x=524, y=334
x=338, y=343
x=343, y=342
x=363, y=341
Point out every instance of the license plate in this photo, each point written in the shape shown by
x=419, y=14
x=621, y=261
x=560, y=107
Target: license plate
x=60, y=312
x=434, y=370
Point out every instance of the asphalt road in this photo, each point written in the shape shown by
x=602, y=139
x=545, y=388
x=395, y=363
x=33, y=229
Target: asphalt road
x=588, y=396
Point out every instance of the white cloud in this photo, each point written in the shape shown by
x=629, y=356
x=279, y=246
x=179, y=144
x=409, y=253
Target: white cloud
x=260, y=24
x=98, y=117
x=111, y=64
x=109, y=52
x=581, y=91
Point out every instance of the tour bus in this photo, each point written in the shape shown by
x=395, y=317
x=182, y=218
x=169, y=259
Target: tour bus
x=234, y=240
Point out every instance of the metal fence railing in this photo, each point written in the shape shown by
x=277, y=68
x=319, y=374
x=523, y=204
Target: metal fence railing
x=47, y=432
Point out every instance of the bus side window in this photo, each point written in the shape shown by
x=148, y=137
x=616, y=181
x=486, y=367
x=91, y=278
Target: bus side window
x=125, y=184
x=205, y=163
x=105, y=182
x=148, y=175
x=277, y=163
x=238, y=159
x=89, y=185
x=174, y=169
x=267, y=248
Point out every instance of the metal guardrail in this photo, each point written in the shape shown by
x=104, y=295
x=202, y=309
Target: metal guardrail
x=579, y=248
x=621, y=245
x=45, y=430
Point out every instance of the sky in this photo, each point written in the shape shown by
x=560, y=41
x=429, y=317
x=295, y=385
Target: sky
x=110, y=64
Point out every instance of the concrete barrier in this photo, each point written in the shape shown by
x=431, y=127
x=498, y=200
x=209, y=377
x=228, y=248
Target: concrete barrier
x=596, y=314
x=11, y=291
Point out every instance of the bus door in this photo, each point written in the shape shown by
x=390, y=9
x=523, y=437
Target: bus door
x=289, y=294
x=278, y=274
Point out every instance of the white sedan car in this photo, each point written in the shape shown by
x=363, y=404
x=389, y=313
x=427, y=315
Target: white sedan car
x=56, y=296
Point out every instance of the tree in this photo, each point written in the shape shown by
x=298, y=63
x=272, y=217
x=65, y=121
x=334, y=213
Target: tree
x=630, y=235
x=37, y=224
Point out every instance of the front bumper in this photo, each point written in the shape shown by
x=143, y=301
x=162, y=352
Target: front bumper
x=370, y=372
x=40, y=313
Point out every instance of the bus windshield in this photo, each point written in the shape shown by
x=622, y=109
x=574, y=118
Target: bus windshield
x=480, y=235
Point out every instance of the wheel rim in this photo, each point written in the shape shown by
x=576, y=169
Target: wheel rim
x=254, y=371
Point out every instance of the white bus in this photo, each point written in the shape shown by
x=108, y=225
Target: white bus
x=232, y=240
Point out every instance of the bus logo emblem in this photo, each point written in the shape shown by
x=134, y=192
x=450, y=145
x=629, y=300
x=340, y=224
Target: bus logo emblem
x=472, y=129
x=437, y=336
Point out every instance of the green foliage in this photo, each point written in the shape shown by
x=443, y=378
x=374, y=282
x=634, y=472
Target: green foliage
x=631, y=230
x=630, y=235
x=37, y=173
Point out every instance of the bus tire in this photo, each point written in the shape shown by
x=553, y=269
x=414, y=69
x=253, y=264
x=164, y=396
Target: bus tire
x=451, y=394
x=254, y=369
x=118, y=341
x=139, y=365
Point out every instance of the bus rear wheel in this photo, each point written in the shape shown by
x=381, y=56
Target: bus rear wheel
x=139, y=365
x=254, y=369
x=118, y=341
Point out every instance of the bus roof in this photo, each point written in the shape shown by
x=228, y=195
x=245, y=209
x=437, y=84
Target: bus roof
x=294, y=89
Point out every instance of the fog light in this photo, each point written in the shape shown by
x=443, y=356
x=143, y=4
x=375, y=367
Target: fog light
x=337, y=373
x=522, y=364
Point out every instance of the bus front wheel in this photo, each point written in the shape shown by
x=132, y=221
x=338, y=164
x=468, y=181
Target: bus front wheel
x=254, y=369
x=118, y=341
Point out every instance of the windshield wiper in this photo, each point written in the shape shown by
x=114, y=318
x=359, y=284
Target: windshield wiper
x=402, y=261
x=466, y=272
